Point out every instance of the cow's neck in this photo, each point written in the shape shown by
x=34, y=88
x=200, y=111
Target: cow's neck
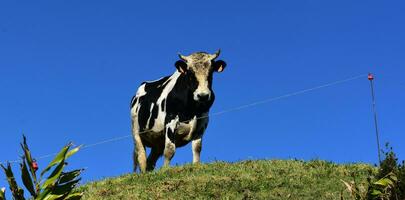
x=186, y=103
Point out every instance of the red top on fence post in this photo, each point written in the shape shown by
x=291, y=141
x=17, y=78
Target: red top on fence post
x=370, y=76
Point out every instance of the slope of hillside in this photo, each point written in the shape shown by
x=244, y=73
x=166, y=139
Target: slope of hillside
x=261, y=179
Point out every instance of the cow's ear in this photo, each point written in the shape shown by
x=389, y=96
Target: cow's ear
x=181, y=66
x=219, y=65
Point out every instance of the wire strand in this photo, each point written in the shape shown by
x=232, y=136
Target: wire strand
x=260, y=102
x=288, y=95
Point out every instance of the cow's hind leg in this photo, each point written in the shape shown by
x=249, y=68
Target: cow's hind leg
x=154, y=155
x=140, y=153
x=135, y=159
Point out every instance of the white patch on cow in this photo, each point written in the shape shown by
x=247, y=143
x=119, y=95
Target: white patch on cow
x=159, y=125
x=159, y=80
x=141, y=91
x=196, y=148
x=155, y=80
x=202, y=88
x=170, y=146
x=134, y=117
x=186, y=129
x=164, y=83
x=135, y=108
x=133, y=100
x=150, y=115
x=173, y=124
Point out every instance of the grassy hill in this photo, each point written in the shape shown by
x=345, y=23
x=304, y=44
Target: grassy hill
x=261, y=179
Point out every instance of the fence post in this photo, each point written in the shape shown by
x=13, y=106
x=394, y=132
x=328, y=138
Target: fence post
x=371, y=79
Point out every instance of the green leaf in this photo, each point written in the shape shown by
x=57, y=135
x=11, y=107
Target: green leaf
x=73, y=151
x=65, y=188
x=26, y=178
x=59, y=157
x=393, y=177
x=52, y=197
x=45, y=192
x=376, y=193
x=28, y=158
x=74, y=196
x=69, y=176
x=384, y=182
x=51, y=181
x=2, y=193
x=17, y=192
x=26, y=150
x=59, y=191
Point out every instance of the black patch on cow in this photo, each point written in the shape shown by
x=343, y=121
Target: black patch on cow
x=133, y=101
x=152, y=87
x=180, y=101
x=162, y=106
x=155, y=111
x=171, y=135
x=153, y=91
x=217, y=64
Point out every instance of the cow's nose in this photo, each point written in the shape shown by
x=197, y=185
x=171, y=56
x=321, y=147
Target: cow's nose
x=203, y=97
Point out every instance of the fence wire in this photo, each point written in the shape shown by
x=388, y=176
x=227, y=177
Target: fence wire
x=237, y=108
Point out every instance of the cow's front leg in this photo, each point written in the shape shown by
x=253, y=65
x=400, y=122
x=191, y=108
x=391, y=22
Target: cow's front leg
x=170, y=146
x=196, y=145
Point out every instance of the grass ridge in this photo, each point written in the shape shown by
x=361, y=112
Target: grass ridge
x=250, y=179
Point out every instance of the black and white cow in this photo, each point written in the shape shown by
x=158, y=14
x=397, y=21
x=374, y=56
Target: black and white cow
x=172, y=111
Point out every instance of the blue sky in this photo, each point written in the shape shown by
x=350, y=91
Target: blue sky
x=68, y=70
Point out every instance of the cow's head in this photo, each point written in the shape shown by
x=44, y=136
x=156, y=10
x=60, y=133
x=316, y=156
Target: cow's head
x=199, y=68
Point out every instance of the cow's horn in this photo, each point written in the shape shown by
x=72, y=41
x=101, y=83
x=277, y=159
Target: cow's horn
x=182, y=57
x=216, y=55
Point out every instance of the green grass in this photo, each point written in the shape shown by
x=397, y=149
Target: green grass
x=261, y=179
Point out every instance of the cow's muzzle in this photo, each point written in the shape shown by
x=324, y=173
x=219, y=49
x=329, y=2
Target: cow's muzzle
x=202, y=97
